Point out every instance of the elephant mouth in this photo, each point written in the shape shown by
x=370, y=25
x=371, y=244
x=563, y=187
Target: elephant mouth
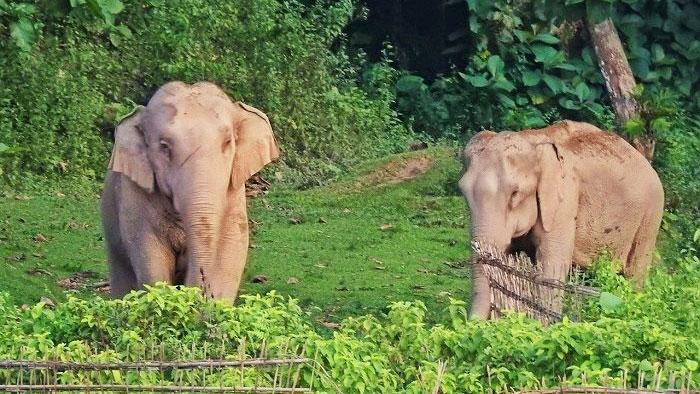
x=523, y=244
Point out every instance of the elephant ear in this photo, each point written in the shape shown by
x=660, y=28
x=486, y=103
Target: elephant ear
x=129, y=152
x=550, y=185
x=255, y=144
x=478, y=142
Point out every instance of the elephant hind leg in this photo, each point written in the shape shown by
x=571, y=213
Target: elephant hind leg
x=642, y=251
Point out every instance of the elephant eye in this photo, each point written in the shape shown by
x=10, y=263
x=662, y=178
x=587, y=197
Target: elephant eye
x=226, y=144
x=164, y=147
x=514, y=198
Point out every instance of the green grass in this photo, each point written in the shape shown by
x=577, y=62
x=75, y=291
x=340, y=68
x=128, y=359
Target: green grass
x=358, y=248
x=353, y=246
x=45, y=238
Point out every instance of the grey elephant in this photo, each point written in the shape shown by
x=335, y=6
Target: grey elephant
x=174, y=205
x=561, y=194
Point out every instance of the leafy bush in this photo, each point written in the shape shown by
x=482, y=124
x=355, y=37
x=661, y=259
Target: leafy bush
x=678, y=152
x=532, y=62
x=399, y=352
x=84, y=63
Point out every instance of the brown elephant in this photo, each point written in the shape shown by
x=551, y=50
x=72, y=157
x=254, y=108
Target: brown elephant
x=561, y=194
x=174, y=206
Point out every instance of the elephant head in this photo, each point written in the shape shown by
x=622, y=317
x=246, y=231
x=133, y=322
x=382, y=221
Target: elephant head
x=195, y=147
x=512, y=185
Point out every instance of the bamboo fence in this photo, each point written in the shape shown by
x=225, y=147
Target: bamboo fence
x=516, y=284
x=659, y=383
x=260, y=374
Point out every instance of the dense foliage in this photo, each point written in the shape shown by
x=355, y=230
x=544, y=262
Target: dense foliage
x=533, y=62
x=70, y=69
x=400, y=352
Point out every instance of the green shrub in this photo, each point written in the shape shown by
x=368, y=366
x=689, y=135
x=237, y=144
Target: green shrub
x=62, y=91
x=399, y=352
x=531, y=63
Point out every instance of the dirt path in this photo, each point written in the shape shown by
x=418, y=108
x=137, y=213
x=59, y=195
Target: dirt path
x=396, y=172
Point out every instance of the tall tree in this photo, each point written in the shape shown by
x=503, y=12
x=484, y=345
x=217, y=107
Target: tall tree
x=619, y=80
x=616, y=70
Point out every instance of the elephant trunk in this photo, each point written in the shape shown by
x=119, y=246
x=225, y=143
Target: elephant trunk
x=494, y=234
x=202, y=221
x=497, y=237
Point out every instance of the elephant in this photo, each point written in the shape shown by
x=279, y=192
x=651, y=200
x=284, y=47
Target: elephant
x=561, y=194
x=173, y=204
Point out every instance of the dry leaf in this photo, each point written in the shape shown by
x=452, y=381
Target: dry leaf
x=296, y=220
x=259, y=279
x=330, y=325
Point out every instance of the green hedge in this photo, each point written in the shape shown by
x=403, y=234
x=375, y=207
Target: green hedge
x=400, y=352
x=70, y=68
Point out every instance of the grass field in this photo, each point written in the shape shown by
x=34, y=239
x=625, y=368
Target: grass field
x=385, y=233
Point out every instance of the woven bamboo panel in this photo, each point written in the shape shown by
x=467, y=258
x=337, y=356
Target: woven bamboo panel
x=516, y=284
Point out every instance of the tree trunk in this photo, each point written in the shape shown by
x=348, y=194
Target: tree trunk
x=619, y=79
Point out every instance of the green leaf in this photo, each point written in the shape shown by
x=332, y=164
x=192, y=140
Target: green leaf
x=547, y=55
x=495, y=65
x=474, y=24
x=111, y=6
x=536, y=96
x=553, y=83
x=597, y=11
x=133, y=110
x=23, y=33
x=547, y=38
x=409, y=83
x=595, y=108
x=645, y=365
x=657, y=53
x=587, y=57
x=660, y=125
x=115, y=39
x=532, y=78
x=692, y=365
x=124, y=30
x=478, y=81
x=693, y=52
x=567, y=67
x=609, y=302
x=569, y=103
x=543, y=53
x=504, y=84
x=505, y=100
x=582, y=91
x=634, y=127
x=522, y=35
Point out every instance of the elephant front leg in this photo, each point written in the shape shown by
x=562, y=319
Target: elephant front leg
x=152, y=261
x=554, y=255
